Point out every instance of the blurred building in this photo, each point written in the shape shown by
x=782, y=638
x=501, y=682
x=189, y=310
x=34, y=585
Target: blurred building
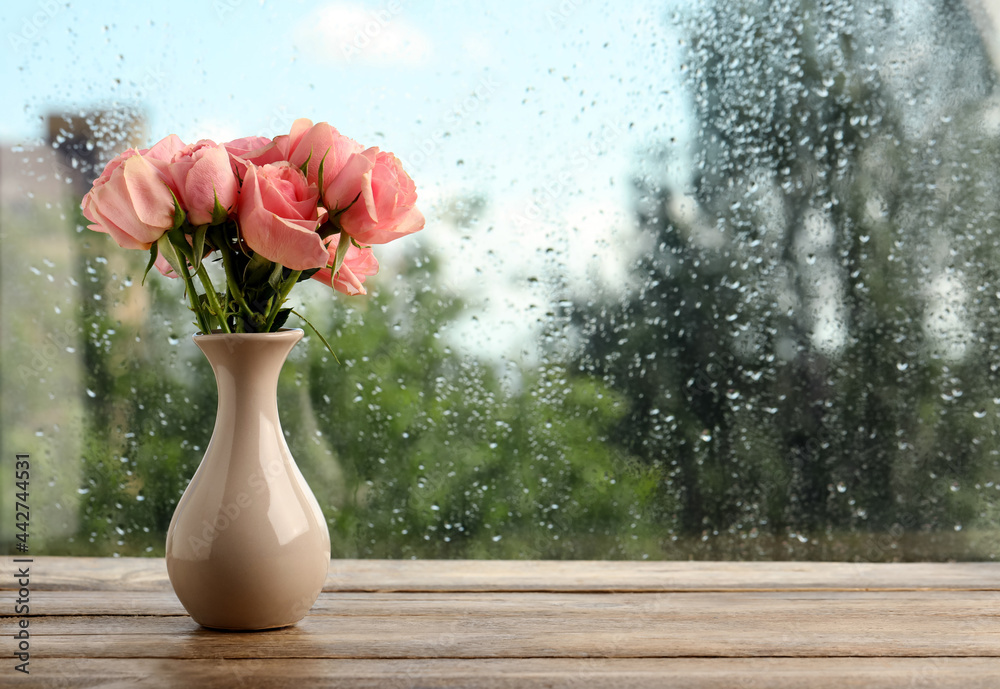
x=42, y=268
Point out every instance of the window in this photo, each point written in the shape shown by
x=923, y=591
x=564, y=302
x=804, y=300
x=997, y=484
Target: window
x=699, y=279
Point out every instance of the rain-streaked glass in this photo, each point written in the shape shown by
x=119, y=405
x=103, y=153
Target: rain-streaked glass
x=710, y=279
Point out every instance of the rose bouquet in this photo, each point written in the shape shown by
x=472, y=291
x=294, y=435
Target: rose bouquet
x=308, y=204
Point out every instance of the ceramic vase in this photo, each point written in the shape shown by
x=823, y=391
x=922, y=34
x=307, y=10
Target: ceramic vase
x=248, y=547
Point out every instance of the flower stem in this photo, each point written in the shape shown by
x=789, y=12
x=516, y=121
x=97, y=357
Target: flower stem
x=213, y=298
x=280, y=298
x=203, y=322
x=233, y=286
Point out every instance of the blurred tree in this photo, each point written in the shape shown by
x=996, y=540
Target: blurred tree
x=443, y=458
x=797, y=356
x=148, y=410
x=411, y=448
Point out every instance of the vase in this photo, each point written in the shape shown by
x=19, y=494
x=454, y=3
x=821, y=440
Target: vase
x=248, y=547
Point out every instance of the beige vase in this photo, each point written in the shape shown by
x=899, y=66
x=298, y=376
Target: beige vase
x=248, y=547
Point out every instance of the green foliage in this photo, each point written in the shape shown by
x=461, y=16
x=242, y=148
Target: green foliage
x=411, y=448
x=442, y=457
x=813, y=189
x=713, y=410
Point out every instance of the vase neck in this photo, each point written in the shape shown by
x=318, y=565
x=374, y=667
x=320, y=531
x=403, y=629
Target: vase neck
x=247, y=365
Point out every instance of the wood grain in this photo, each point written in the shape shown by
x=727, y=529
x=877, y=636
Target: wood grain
x=114, y=623
x=150, y=574
x=562, y=625
x=165, y=603
x=526, y=673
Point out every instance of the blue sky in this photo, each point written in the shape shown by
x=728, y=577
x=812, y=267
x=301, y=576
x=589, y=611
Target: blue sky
x=543, y=108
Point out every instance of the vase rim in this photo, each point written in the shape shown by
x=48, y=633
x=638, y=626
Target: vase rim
x=282, y=334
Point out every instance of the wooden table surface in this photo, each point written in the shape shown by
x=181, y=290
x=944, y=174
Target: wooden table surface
x=116, y=623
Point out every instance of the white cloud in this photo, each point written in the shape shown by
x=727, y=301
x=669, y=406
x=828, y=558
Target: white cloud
x=353, y=34
x=216, y=129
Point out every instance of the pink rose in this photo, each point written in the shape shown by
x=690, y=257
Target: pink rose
x=317, y=143
x=279, y=216
x=358, y=264
x=307, y=141
x=379, y=196
x=164, y=149
x=241, y=147
x=131, y=201
x=202, y=174
x=258, y=150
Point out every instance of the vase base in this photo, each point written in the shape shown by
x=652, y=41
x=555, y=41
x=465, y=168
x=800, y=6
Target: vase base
x=223, y=628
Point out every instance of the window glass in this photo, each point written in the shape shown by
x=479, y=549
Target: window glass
x=705, y=279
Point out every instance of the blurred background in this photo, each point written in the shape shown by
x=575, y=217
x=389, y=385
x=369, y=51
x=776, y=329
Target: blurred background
x=700, y=279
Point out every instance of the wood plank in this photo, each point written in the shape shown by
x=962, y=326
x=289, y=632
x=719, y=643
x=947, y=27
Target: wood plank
x=165, y=603
x=557, y=673
x=54, y=573
x=116, y=623
x=666, y=576
x=149, y=574
x=563, y=625
x=100, y=603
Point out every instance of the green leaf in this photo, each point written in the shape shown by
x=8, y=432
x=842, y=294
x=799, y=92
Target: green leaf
x=179, y=215
x=198, y=249
x=276, y=277
x=153, y=253
x=318, y=334
x=171, y=254
x=319, y=180
x=306, y=274
x=179, y=240
x=342, y=246
x=219, y=213
x=280, y=319
x=327, y=229
x=305, y=166
x=257, y=270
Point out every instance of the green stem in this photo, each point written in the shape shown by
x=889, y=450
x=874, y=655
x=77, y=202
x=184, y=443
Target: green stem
x=233, y=285
x=213, y=298
x=203, y=322
x=280, y=298
x=318, y=334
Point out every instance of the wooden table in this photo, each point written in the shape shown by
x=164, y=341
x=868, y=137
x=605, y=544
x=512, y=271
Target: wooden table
x=116, y=623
